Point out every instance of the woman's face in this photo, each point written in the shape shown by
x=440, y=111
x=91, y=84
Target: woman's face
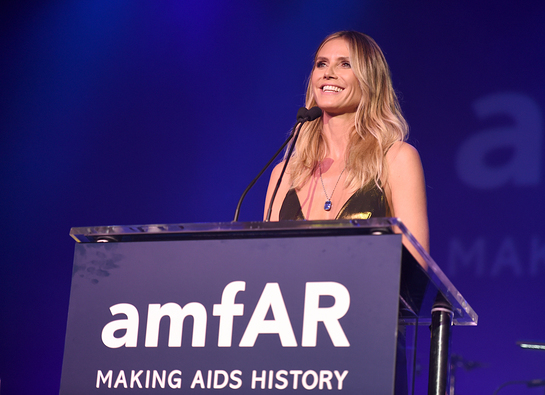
x=336, y=88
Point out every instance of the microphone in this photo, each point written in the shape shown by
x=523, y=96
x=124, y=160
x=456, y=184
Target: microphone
x=303, y=115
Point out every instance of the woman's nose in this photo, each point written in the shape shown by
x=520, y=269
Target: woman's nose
x=329, y=72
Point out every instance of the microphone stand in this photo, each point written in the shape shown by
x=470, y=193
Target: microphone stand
x=237, y=211
x=303, y=115
x=292, y=146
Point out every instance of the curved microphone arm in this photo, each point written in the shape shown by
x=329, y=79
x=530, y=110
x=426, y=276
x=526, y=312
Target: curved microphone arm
x=303, y=115
x=237, y=211
x=292, y=146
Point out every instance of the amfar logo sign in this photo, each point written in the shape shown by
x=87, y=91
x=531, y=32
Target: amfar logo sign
x=227, y=310
x=271, y=298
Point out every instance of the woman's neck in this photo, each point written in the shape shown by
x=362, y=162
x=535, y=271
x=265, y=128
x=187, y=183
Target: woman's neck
x=336, y=131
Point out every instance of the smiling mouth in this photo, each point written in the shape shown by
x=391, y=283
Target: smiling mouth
x=331, y=88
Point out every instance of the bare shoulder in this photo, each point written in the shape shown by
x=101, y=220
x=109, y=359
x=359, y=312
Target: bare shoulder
x=404, y=165
x=402, y=153
x=275, y=174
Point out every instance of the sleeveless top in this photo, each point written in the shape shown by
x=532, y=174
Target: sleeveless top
x=363, y=204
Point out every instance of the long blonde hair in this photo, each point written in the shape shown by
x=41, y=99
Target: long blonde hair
x=379, y=122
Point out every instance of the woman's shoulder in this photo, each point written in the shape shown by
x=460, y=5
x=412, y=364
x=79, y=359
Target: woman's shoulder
x=277, y=169
x=402, y=154
x=403, y=162
x=403, y=148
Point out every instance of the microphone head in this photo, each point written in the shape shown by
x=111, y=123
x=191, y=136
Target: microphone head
x=304, y=115
x=313, y=113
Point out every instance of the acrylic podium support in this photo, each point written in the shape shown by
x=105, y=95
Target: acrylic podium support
x=253, y=307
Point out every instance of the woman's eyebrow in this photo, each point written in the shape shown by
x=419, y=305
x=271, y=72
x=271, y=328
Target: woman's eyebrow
x=341, y=58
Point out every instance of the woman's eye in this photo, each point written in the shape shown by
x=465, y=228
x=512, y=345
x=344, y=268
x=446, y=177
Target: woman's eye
x=346, y=64
x=320, y=64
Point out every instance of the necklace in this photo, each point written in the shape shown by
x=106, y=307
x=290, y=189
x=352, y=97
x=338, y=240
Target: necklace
x=327, y=204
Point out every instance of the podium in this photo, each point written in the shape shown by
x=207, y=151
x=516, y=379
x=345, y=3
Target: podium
x=275, y=307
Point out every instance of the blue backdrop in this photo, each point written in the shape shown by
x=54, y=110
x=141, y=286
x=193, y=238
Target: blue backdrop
x=137, y=112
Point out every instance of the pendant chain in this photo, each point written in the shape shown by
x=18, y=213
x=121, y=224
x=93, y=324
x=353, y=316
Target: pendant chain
x=327, y=204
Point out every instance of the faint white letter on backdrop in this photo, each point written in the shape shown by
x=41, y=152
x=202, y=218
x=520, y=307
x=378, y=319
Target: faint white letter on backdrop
x=524, y=137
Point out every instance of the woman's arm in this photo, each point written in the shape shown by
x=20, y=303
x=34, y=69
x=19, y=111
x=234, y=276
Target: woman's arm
x=407, y=190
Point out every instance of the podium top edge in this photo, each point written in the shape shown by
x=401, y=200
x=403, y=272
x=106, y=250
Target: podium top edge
x=94, y=234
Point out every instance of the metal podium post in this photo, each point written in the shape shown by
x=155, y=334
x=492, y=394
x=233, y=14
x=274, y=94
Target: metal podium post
x=441, y=323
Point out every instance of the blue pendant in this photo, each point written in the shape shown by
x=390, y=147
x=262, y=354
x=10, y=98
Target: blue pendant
x=327, y=205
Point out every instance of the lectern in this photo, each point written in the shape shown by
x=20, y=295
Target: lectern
x=254, y=307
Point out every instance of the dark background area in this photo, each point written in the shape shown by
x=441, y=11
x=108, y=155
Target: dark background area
x=138, y=112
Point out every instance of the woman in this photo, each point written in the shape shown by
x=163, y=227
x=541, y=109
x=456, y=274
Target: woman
x=353, y=162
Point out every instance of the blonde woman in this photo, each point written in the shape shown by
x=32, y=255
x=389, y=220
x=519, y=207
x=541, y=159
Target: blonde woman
x=353, y=161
